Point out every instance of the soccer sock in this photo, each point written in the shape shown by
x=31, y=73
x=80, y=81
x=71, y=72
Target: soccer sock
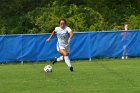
x=67, y=61
x=60, y=58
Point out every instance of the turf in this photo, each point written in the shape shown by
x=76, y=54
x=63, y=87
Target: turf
x=98, y=76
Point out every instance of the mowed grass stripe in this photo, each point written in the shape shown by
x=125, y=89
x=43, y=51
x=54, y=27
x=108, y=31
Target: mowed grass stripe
x=102, y=76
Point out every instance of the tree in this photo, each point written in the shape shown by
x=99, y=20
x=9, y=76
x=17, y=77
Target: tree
x=133, y=22
x=39, y=16
x=42, y=20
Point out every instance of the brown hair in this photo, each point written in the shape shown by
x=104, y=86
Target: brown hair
x=62, y=20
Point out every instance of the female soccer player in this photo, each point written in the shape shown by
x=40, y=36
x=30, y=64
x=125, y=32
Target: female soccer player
x=64, y=35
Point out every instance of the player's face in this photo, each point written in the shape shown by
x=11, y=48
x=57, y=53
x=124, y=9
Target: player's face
x=62, y=24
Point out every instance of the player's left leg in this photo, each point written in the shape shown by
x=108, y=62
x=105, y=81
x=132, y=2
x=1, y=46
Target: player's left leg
x=67, y=61
x=124, y=52
x=126, y=55
x=66, y=58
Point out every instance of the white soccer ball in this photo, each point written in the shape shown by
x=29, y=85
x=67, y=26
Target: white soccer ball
x=48, y=68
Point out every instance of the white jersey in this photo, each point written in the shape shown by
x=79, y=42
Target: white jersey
x=62, y=35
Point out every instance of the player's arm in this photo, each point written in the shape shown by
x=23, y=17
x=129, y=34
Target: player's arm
x=70, y=37
x=52, y=34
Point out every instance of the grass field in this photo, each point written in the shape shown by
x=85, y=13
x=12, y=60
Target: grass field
x=98, y=76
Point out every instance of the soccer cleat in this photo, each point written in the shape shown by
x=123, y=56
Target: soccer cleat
x=71, y=69
x=54, y=61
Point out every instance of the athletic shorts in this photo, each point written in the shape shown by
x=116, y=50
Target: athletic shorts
x=67, y=48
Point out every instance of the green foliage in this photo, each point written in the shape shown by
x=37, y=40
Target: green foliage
x=118, y=28
x=41, y=16
x=3, y=29
x=42, y=20
x=134, y=22
x=39, y=20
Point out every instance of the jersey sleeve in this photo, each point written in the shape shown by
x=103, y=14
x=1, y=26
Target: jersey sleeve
x=56, y=29
x=68, y=29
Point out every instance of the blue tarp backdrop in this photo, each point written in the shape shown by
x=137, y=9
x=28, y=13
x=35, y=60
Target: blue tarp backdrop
x=83, y=46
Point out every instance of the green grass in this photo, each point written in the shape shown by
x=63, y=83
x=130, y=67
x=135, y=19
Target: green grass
x=98, y=76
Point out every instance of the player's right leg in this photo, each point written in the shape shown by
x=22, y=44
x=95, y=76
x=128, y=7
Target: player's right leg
x=59, y=58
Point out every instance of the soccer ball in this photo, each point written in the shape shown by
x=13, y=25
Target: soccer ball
x=48, y=68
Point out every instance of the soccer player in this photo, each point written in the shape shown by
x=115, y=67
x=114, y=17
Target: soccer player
x=125, y=41
x=64, y=35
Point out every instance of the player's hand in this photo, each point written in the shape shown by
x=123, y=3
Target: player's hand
x=48, y=40
x=69, y=40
